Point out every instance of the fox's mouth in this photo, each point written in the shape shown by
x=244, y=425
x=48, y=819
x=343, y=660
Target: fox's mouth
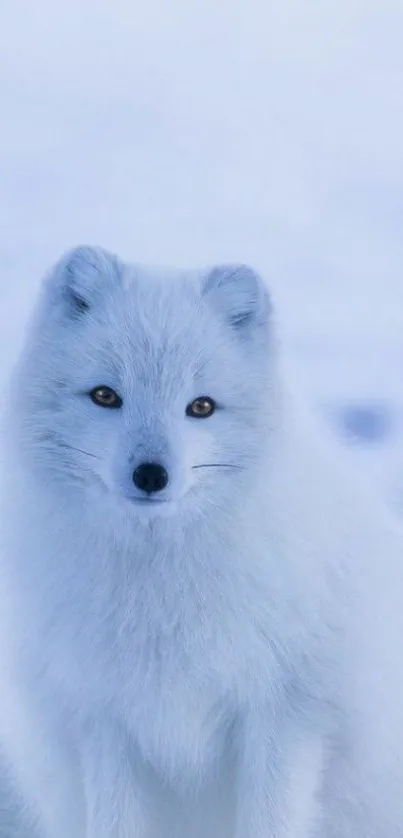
x=147, y=509
x=150, y=501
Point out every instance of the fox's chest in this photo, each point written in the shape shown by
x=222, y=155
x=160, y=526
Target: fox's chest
x=181, y=707
x=182, y=724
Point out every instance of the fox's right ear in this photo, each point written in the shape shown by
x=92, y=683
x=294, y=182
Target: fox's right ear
x=81, y=275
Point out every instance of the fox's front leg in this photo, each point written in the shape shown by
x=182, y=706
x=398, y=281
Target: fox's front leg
x=41, y=759
x=279, y=776
x=115, y=806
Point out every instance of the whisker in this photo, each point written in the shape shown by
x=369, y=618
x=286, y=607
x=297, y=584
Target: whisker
x=80, y=450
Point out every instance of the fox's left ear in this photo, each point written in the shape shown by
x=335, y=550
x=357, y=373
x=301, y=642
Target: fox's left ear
x=240, y=294
x=81, y=276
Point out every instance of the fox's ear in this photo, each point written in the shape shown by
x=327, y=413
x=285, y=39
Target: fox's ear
x=81, y=275
x=240, y=294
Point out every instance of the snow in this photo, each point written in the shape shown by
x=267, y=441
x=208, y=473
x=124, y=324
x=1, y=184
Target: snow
x=189, y=132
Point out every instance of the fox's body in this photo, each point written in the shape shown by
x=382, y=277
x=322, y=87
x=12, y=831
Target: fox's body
x=208, y=647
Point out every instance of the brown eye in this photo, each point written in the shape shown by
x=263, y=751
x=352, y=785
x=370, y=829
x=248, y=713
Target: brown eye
x=201, y=408
x=105, y=397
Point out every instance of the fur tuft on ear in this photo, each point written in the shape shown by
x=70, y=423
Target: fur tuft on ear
x=81, y=274
x=240, y=294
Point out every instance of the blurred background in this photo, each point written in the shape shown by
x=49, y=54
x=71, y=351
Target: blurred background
x=189, y=132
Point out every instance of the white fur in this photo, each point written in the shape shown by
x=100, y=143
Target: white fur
x=226, y=664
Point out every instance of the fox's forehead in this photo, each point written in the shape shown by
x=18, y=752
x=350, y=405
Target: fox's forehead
x=162, y=326
x=164, y=304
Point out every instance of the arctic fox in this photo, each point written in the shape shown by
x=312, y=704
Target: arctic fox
x=200, y=615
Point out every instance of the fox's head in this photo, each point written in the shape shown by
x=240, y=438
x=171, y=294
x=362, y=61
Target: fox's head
x=154, y=388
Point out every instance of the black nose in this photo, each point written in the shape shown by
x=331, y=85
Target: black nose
x=150, y=477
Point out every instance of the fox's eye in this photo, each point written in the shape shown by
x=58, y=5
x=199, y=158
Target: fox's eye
x=105, y=397
x=201, y=408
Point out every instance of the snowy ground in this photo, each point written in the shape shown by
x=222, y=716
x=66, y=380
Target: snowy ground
x=189, y=132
